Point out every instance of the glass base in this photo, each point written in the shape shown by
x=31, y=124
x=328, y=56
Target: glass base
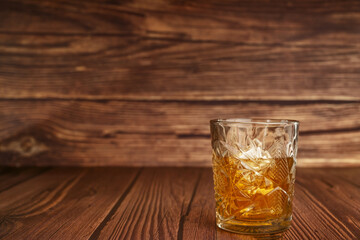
x=261, y=230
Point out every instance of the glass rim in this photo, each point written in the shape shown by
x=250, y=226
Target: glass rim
x=252, y=121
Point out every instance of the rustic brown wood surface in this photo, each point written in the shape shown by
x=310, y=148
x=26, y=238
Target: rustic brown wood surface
x=159, y=203
x=122, y=82
x=180, y=49
x=168, y=133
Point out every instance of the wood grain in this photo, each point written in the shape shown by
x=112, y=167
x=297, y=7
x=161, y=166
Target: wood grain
x=10, y=177
x=169, y=133
x=122, y=82
x=330, y=183
x=161, y=203
x=156, y=206
x=129, y=68
x=65, y=194
x=194, y=50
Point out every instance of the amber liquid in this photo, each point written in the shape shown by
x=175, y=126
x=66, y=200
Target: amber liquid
x=254, y=195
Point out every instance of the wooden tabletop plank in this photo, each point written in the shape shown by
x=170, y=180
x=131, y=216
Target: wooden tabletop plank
x=338, y=198
x=161, y=203
x=198, y=222
x=156, y=205
x=10, y=177
x=62, y=203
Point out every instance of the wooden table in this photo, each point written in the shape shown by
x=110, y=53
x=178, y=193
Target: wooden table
x=159, y=203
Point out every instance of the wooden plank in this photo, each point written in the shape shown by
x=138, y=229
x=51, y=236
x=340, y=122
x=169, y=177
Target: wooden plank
x=324, y=184
x=193, y=50
x=155, y=207
x=311, y=207
x=136, y=68
x=351, y=176
x=199, y=220
x=10, y=177
x=258, y=21
x=157, y=203
x=160, y=133
x=62, y=203
x=157, y=150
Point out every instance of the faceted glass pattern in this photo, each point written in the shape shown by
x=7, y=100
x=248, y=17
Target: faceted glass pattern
x=254, y=173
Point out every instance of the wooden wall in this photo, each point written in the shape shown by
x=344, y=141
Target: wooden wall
x=135, y=82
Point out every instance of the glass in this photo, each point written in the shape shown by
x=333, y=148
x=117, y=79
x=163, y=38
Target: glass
x=254, y=174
